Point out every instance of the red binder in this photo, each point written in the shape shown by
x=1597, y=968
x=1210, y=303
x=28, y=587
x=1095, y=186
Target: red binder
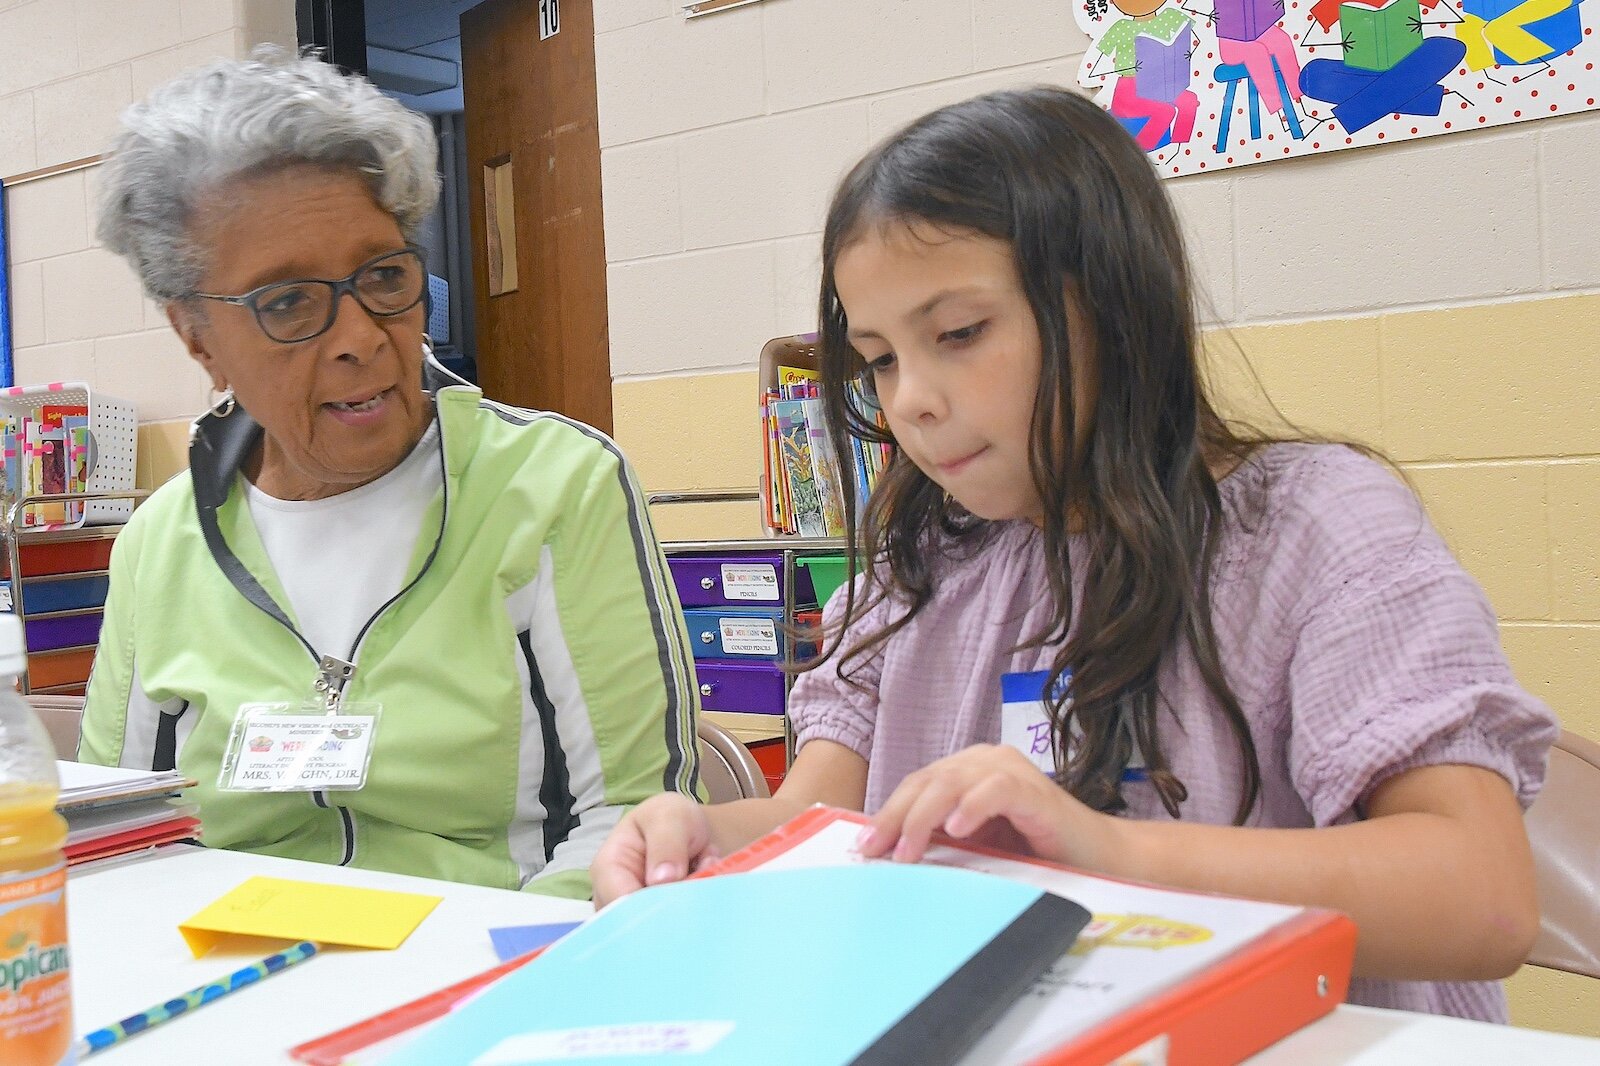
x=1293, y=970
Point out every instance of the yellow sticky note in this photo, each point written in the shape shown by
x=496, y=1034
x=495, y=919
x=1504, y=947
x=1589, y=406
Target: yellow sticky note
x=304, y=910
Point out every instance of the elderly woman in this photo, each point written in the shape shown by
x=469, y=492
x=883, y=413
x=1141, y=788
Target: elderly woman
x=382, y=621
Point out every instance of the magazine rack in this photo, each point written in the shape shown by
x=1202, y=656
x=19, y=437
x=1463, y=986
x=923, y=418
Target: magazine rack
x=113, y=435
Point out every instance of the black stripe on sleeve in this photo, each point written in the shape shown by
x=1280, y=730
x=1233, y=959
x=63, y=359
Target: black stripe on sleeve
x=555, y=788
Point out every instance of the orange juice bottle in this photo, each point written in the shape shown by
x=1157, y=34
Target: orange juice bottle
x=35, y=966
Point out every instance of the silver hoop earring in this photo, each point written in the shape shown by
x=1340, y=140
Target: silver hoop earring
x=224, y=407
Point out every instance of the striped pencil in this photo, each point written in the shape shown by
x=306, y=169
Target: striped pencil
x=113, y=1035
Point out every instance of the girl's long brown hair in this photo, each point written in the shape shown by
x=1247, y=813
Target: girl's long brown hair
x=1059, y=179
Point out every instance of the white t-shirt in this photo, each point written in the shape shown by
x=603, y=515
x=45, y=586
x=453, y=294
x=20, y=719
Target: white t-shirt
x=339, y=559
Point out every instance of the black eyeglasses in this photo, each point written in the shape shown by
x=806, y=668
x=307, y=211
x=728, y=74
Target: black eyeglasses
x=293, y=311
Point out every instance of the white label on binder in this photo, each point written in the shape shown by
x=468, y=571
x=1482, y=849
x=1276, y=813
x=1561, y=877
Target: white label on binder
x=607, y=1042
x=549, y=19
x=747, y=581
x=749, y=636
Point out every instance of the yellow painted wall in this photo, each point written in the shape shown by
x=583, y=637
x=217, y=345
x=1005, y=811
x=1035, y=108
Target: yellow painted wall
x=1507, y=459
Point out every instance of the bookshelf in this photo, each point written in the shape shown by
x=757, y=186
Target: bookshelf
x=804, y=476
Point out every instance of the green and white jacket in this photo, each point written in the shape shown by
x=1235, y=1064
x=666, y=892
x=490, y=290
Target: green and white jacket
x=534, y=671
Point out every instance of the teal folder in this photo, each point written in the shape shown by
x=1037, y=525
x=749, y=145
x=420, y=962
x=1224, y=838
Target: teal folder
x=867, y=964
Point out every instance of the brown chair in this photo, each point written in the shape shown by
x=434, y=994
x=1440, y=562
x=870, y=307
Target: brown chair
x=728, y=769
x=63, y=718
x=1564, y=828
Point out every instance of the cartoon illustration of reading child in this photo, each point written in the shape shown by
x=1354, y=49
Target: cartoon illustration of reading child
x=1249, y=35
x=1387, y=65
x=1150, y=52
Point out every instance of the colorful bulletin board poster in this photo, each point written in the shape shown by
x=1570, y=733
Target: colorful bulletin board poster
x=1209, y=84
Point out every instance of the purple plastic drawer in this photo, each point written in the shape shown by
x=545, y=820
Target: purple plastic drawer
x=750, y=688
x=752, y=580
x=47, y=634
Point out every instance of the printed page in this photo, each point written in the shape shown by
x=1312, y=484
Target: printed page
x=85, y=782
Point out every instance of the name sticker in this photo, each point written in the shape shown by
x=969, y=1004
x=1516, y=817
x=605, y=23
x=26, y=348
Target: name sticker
x=749, y=636
x=1025, y=722
x=747, y=581
x=1025, y=717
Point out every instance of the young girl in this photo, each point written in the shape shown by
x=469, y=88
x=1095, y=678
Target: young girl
x=1282, y=685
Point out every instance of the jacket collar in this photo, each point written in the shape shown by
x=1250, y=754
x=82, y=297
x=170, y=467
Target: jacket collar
x=219, y=446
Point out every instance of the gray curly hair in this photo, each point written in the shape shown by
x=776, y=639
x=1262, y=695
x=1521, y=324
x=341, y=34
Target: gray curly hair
x=239, y=116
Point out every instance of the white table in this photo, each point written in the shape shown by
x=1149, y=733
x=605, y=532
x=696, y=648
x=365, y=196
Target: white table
x=1367, y=1036
x=127, y=955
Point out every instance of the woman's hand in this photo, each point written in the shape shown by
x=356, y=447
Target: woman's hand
x=663, y=839
x=990, y=795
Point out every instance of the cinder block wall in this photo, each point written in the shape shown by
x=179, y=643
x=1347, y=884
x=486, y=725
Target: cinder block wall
x=1437, y=299
x=67, y=69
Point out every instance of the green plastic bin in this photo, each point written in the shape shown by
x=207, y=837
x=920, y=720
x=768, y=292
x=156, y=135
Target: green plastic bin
x=828, y=572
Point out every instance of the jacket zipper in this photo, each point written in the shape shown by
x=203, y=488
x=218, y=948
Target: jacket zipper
x=347, y=669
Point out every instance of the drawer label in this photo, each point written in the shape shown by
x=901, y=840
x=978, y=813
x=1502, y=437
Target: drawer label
x=749, y=636
x=750, y=581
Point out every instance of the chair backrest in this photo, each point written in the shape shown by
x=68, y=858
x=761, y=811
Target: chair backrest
x=1564, y=828
x=62, y=717
x=728, y=769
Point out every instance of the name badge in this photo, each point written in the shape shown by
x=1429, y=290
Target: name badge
x=299, y=747
x=1025, y=717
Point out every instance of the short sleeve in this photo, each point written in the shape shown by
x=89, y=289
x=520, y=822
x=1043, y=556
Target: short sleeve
x=1398, y=661
x=838, y=700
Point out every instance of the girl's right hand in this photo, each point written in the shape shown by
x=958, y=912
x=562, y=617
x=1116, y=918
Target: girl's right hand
x=663, y=839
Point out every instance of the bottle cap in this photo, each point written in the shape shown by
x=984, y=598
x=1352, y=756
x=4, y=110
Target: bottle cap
x=13, y=652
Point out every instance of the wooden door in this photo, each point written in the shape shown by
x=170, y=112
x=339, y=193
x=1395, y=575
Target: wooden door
x=533, y=145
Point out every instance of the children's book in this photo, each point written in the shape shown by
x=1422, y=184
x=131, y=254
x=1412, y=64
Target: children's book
x=774, y=490
x=79, y=447
x=36, y=448
x=1380, y=36
x=60, y=421
x=794, y=442
x=826, y=467
x=1205, y=979
x=1165, y=69
x=882, y=963
x=11, y=431
x=1245, y=20
x=798, y=382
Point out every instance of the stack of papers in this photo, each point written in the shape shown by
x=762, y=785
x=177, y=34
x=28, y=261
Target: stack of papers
x=110, y=810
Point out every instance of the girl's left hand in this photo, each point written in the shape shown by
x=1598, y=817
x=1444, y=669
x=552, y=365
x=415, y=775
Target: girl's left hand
x=995, y=796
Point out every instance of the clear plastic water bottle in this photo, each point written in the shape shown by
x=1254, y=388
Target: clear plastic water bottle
x=35, y=965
